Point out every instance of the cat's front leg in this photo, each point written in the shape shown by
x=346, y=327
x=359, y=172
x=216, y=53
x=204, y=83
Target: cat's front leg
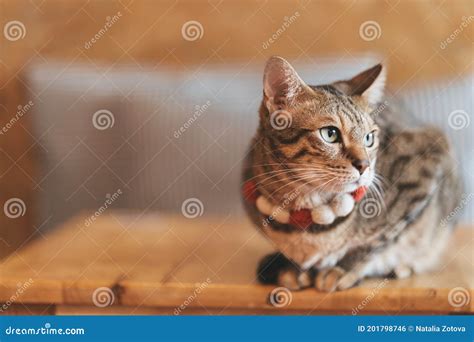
x=338, y=279
x=349, y=271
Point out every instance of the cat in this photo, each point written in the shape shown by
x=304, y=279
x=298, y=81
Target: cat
x=315, y=147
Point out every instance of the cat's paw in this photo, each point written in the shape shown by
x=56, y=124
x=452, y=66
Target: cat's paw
x=327, y=279
x=335, y=279
x=294, y=280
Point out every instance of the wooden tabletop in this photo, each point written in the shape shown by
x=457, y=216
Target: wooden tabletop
x=131, y=263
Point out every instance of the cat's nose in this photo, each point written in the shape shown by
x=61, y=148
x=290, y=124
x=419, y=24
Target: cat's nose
x=361, y=165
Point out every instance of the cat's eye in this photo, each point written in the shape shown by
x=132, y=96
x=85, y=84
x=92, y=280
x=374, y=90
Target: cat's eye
x=330, y=134
x=369, y=139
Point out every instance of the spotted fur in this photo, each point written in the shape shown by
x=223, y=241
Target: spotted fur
x=411, y=177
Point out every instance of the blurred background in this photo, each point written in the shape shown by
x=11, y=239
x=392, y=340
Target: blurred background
x=146, y=104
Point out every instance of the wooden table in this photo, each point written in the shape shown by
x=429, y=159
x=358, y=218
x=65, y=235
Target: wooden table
x=124, y=263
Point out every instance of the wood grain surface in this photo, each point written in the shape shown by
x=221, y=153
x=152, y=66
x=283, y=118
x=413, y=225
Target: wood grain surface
x=165, y=264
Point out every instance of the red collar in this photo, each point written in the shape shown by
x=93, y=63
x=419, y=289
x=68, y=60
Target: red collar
x=298, y=218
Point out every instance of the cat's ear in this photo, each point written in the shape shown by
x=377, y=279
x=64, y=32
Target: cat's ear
x=281, y=84
x=369, y=85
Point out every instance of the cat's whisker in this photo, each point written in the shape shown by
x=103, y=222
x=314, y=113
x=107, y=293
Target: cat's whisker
x=381, y=179
x=274, y=172
x=278, y=173
x=300, y=177
x=321, y=187
x=280, y=164
x=375, y=194
x=377, y=186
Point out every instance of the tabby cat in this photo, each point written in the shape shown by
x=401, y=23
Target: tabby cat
x=316, y=145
